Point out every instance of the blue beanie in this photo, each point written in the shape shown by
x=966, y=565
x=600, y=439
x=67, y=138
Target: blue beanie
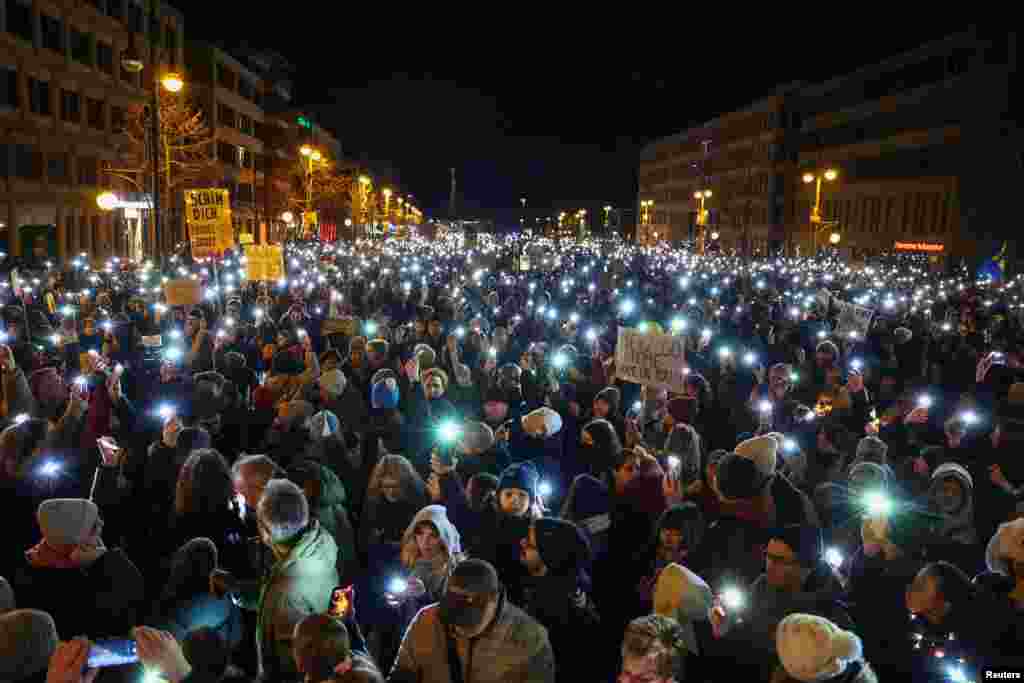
x=521, y=476
x=385, y=394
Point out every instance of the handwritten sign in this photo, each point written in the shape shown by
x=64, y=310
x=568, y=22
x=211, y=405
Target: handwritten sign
x=657, y=360
x=208, y=214
x=264, y=262
x=183, y=292
x=853, y=318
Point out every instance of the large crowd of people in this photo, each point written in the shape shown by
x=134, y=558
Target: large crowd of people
x=417, y=462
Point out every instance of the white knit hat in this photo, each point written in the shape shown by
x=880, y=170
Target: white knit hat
x=1006, y=546
x=685, y=597
x=812, y=648
x=67, y=521
x=762, y=450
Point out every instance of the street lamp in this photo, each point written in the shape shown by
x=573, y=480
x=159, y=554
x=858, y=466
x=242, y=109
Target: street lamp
x=829, y=175
x=173, y=82
x=702, y=218
x=834, y=238
x=107, y=201
x=287, y=217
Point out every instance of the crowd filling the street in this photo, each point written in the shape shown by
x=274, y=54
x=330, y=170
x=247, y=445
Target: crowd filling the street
x=501, y=458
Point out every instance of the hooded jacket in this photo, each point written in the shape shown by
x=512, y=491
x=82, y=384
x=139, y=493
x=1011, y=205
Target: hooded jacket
x=959, y=526
x=435, y=582
x=297, y=585
x=513, y=648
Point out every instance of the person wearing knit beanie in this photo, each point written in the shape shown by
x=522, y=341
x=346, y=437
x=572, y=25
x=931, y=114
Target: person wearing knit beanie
x=793, y=555
x=739, y=478
x=518, y=481
x=762, y=450
x=385, y=394
x=542, y=423
x=477, y=438
x=332, y=385
x=555, y=547
x=682, y=595
x=68, y=521
x=607, y=402
x=1004, y=553
x=812, y=648
x=28, y=638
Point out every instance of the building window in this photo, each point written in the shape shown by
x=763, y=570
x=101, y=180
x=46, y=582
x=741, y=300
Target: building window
x=57, y=168
x=5, y=160
x=245, y=124
x=115, y=9
x=88, y=171
x=8, y=88
x=94, y=113
x=225, y=77
x=171, y=45
x=105, y=57
x=226, y=153
x=28, y=162
x=19, y=20
x=246, y=89
x=135, y=17
x=81, y=50
x=39, y=96
x=100, y=5
x=53, y=33
x=70, y=106
x=225, y=116
x=118, y=120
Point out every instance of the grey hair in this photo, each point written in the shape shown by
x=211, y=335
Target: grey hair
x=284, y=510
x=872, y=449
x=261, y=463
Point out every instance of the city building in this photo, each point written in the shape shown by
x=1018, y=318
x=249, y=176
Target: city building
x=64, y=98
x=913, y=142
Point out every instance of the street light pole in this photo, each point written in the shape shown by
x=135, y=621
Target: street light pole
x=816, y=178
x=702, y=220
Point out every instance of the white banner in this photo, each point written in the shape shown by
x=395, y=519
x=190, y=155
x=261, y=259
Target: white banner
x=656, y=360
x=853, y=318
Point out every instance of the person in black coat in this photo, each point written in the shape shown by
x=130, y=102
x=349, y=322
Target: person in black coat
x=555, y=554
x=71, y=575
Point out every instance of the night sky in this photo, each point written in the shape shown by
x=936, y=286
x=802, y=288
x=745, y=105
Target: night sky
x=555, y=111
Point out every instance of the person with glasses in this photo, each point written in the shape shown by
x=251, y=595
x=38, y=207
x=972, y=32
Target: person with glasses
x=796, y=579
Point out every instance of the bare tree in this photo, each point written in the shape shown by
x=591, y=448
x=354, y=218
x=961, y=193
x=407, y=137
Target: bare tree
x=185, y=151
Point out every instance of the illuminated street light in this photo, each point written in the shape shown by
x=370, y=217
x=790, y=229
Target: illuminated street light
x=173, y=82
x=107, y=201
x=834, y=238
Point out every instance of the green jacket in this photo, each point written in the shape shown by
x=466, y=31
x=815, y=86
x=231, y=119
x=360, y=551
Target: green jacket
x=332, y=513
x=296, y=586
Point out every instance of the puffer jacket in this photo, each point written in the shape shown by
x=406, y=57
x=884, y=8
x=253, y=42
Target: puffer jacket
x=332, y=513
x=297, y=585
x=436, y=583
x=513, y=649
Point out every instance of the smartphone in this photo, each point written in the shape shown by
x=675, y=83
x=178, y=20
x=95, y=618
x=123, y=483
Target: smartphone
x=114, y=652
x=342, y=600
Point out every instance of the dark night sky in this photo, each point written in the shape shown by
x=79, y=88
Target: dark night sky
x=554, y=111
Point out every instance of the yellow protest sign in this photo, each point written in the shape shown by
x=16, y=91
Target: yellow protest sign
x=208, y=214
x=264, y=262
x=183, y=292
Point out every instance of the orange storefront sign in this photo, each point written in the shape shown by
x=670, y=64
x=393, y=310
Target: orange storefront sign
x=919, y=246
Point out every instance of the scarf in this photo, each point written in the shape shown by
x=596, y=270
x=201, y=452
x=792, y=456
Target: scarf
x=44, y=556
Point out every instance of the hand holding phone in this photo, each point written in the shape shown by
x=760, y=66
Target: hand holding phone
x=113, y=652
x=110, y=452
x=342, y=602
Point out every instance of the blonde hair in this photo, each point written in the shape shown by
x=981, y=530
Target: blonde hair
x=442, y=565
x=396, y=467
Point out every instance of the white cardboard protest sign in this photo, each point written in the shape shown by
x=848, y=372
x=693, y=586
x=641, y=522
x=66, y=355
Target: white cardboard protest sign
x=853, y=318
x=650, y=358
